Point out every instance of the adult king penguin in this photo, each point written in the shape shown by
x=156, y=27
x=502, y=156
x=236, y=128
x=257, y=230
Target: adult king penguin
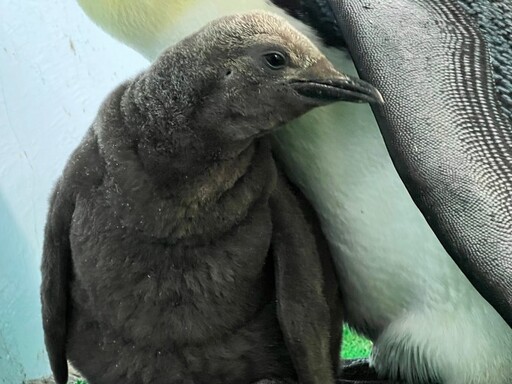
x=428, y=322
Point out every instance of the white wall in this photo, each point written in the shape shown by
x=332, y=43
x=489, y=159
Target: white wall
x=56, y=67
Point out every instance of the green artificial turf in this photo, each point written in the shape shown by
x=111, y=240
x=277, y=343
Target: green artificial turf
x=354, y=346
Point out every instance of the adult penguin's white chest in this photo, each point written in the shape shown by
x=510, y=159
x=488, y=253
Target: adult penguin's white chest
x=399, y=285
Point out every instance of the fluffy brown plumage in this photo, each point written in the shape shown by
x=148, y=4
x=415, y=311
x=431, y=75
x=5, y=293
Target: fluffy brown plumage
x=175, y=252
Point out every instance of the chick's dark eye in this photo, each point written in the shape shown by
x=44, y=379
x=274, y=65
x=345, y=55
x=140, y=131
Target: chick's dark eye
x=275, y=60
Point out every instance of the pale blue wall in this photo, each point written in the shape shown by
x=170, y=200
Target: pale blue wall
x=55, y=69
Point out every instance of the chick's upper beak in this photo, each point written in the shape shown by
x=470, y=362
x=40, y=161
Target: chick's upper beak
x=327, y=86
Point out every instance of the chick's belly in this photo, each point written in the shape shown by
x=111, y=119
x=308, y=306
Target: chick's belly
x=247, y=354
x=147, y=290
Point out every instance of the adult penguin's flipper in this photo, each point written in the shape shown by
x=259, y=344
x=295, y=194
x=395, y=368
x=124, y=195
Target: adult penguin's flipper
x=444, y=128
x=307, y=293
x=54, y=288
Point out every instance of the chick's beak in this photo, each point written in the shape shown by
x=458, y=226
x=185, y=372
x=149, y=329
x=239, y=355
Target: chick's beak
x=334, y=86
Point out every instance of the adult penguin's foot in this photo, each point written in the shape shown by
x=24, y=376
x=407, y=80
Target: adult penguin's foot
x=358, y=371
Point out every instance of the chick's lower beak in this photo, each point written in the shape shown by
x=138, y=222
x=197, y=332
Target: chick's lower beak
x=337, y=87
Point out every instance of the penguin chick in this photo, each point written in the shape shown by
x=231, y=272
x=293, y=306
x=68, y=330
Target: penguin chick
x=175, y=252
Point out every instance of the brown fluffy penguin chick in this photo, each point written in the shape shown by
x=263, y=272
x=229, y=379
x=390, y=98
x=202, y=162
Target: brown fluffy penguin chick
x=174, y=251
